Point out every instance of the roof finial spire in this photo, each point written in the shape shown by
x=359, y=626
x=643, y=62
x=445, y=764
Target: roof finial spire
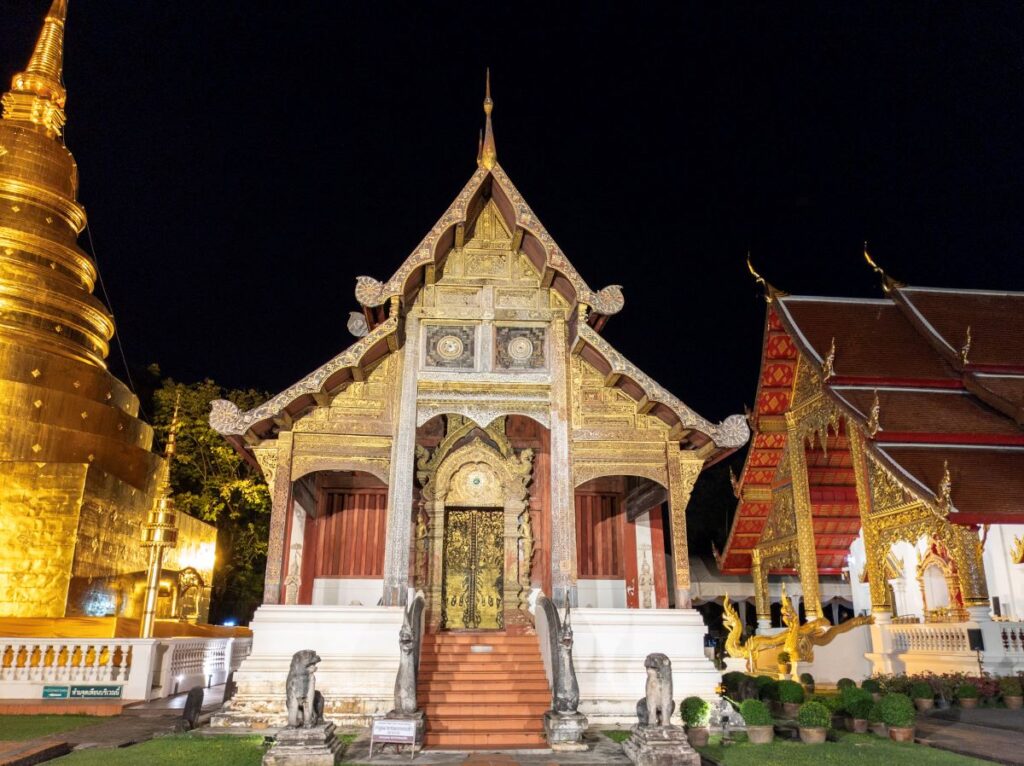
x=37, y=94
x=888, y=283
x=769, y=291
x=488, y=150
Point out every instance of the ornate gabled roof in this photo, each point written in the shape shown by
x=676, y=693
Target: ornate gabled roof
x=534, y=240
x=910, y=372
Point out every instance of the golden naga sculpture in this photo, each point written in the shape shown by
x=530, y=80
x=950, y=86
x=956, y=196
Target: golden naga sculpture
x=798, y=640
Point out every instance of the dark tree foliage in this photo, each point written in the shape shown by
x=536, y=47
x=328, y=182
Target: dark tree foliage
x=212, y=482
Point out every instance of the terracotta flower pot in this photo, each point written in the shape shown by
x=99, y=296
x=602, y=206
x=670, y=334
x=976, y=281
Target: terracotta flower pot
x=860, y=726
x=924, y=704
x=813, y=736
x=967, y=703
x=698, y=735
x=879, y=728
x=1014, y=703
x=790, y=709
x=901, y=733
x=760, y=735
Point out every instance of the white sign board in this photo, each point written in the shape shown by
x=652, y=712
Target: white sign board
x=393, y=731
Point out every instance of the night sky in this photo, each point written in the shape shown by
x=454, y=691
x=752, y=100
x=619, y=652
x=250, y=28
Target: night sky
x=243, y=162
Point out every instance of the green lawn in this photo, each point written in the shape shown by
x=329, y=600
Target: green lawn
x=22, y=727
x=616, y=735
x=174, y=750
x=850, y=750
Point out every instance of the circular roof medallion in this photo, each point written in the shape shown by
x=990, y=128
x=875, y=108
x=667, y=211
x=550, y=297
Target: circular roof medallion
x=520, y=348
x=450, y=347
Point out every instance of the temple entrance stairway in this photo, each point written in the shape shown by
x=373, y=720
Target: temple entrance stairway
x=483, y=689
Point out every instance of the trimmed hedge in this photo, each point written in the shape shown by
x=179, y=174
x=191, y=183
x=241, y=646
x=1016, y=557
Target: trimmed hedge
x=790, y=691
x=767, y=688
x=807, y=679
x=696, y=712
x=814, y=715
x=756, y=713
x=897, y=710
x=875, y=714
x=861, y=708
x=842, y=683
x=731, y=681
x=920, y=690
x=871, y=685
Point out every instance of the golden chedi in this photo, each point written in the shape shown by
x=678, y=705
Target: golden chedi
x=76, y=471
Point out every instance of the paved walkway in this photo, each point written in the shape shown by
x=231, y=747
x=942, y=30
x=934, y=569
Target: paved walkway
x=1002, y=745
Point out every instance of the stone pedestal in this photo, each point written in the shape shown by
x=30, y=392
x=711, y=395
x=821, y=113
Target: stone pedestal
x=418, y=717
x=316, y=746
x=565, y=730
x=660, y=746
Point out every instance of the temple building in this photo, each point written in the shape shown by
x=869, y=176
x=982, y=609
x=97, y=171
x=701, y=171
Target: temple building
x=480, y=442
x=888, y=450
x=76, y=472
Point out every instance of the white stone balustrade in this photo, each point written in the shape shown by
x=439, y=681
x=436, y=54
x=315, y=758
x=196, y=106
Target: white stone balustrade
x=946, y=648
x=144, y=669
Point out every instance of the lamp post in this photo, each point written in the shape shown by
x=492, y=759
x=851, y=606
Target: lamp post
x=160, y=531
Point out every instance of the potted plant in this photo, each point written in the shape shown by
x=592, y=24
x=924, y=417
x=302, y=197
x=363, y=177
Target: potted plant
x=813, y=720
x=856, y=702
x=783, y=659
x=696, y=714
x=760, y=726
x=843, y=683
x=875, y=722
x=1010, y=688
x=897, y=712
x=791, y=695
x=923, y=695
x=967, y=695
x=808, y=681
x=872, y=686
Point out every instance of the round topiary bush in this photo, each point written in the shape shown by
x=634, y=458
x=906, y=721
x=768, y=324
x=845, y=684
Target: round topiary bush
x=807, y=679
x=696, y=712
x=897, y=710
x=967, y=691
x=1010, y=687
x=871, y=685
x=920, y=690
x=814, y=715
x=790, y=691
x=731, y=681
x=842, y=683
x=755, y=713
x=833, y=702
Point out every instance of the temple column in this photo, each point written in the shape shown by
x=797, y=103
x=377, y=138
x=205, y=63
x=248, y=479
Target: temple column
x=276, y=462
x=874, y=556
x=303, y=505
x=683, y=470
x=563, y=509
x=807, y=557
x=397, y=545
x=966, y=552
x=762, y=603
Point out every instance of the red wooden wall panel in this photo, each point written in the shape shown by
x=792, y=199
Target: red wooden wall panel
x=348, y=539
x=599, y=536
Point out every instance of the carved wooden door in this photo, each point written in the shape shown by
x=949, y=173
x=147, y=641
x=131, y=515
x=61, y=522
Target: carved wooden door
x=474, y=560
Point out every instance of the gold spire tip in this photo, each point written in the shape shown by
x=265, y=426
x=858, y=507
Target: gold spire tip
x=769, y=291
x=488, y=150
x=888, y=283
x=37, y=94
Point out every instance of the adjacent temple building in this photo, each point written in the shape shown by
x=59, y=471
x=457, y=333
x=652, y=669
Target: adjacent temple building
x=77, y=476
x=888, y=449
x=480, y=442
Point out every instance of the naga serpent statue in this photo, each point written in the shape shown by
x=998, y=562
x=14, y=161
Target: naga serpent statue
x=798, y=640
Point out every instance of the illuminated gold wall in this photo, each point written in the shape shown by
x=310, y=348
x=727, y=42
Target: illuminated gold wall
x=76, y=471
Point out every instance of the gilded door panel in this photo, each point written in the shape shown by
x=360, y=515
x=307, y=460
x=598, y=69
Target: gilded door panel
x=473, y=570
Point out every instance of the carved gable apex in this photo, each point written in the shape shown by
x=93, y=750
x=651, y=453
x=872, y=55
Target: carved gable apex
x=489, y=231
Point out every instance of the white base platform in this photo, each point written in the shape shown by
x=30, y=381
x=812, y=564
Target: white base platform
x=358, y=647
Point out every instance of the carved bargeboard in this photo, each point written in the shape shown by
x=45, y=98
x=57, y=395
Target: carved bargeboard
x=473, y=570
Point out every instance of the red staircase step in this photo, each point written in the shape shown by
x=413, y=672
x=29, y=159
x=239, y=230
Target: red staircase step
x=493, y=699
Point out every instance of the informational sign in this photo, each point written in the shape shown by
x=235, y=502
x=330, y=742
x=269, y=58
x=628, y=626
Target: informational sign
x=393, y=731
x=55, y=692
x=96, y=692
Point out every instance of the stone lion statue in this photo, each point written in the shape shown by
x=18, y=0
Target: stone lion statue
x=657, y=707
x=305, y=704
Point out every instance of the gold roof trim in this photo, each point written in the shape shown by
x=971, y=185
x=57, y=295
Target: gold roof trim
x=731, y=433
x=371, y=292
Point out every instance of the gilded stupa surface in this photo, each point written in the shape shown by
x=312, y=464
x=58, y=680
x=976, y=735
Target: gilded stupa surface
x=76, y=471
